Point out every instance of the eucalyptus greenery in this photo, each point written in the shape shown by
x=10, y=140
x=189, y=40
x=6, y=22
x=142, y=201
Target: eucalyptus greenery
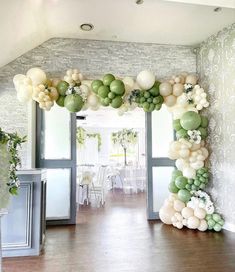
x=82, y=135
x=13, y=141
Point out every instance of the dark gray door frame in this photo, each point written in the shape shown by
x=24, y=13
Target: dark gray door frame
x=150, y=163
x=70, y=163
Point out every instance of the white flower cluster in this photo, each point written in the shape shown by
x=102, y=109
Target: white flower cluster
x=194, y=136
x=200, y=98
x=201, y=200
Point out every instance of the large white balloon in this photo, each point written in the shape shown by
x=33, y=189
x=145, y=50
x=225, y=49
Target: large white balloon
x=145, y=80
x=37, y=76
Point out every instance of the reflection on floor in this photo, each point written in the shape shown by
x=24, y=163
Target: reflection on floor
x=118, y=238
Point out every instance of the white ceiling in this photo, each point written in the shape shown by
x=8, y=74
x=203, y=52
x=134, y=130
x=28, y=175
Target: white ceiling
x=155, y=21
x=24, y=24
x=108, y=118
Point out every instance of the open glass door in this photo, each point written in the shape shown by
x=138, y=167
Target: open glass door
x=56, y=151
x=159, y=133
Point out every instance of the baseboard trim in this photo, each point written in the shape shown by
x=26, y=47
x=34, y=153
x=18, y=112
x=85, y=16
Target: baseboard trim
x=229, y=227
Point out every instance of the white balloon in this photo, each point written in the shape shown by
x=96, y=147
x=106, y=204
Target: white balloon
x=129, y=83
x=189, y=172
x=24, y=94
x=187, y=212
x=203, y=225
x=92, y=100
x=37, y=76
x=145, y=80
x=166, y=213
x=200, y=213
x=179, y=205
x=17, y=79
x=165, y=89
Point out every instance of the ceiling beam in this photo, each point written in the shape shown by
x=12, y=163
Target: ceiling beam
x=213, y=3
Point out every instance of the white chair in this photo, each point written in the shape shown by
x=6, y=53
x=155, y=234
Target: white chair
x=129, y=184
x=98, y=188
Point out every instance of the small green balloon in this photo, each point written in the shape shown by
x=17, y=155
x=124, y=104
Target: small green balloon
x=197, y=182
x=184, y=195
x=204, y=122
x=176, y=173
x=182, y=133
x=173, y=188
x=60, y=101
x=176, y=125
x=208, y=216
x=217, y=227
x=146, y=105
x=117, y=102
x=62, y=87
x=194, y=187
x=117, y=87
x=107, y=100
x=150, y=100
x=221, y=222
x=154, y=91
x=211, y=223
x=190, y=120
x=202, y=186
x=142, y=100
x=188, y=187
x=103, y=102
x=111, y=95
x=103, y=91
x=146, y=94
x=158, y=107
x=107, y=79
x=216, y=217
x=181, y=182
x=203, y=131
x=190, y=181
x=95, y=85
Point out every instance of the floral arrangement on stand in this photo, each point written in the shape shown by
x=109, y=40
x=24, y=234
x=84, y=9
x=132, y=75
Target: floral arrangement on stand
x=9, y=161
x=82, y=135
x=124, y=138
x=188, y=205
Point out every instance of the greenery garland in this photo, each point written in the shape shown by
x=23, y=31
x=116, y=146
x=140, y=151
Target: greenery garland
x=13, y=141
x=82, y=135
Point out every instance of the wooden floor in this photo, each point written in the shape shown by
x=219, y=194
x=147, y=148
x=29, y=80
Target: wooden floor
x=118, y=238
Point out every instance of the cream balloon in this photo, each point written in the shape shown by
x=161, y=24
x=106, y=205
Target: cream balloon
x=24, y=93
x=37, y=76
x=85, y=89
x=193, y=222
x=178, y=89
x=191, y=79
x=200, y=213
x=187, y=212
x=129, y=83
x=203, y=225
x=165, y=89
x=170, y=100
x=166, y=213
x=189, y=172
x=145, y=80
x=179, y=205
x=17, y=79
x=92, y=100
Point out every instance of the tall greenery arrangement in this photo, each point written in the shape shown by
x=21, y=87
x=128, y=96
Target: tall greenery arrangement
x=124, y=138
x=82, y=135
x=13, y=142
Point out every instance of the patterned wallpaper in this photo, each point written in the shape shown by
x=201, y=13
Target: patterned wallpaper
x=216, y=68
x=94, y=58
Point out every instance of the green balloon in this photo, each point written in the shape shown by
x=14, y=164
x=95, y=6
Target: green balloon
x=117, y=102
x=204, y=122
x=158, y=107
x=146, y=94
x=173, y=188
x=211, y=223
x=197, y=182
x=111, y=95
x=146, y=105
x=142, y=100
x=194, y=187
x=184, y=195
x=103, y=91
x=62, y=87
x=181, y=182
x=190, y=120
x=157, y=100
x=107, y=79
x=150, y=100
x=216, y=217
x=151, y=107
x=203, y=131
x=154, y=91
x=176, y=173
x=117, y=87
x=188, y=187
x=95, y=85
x=182, y=133
x=107, y=100
x=103, y=102
x=73, y=102
x=208, y=216
x=202, y=186
x=217, y=227
x=221, y=222
x=176, y=125
x=60, y=101
x=190, y=181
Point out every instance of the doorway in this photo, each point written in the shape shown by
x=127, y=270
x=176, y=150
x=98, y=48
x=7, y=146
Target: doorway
x=56, y=150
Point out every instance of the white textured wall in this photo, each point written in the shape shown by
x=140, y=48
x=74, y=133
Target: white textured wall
x=94, y=58
x=216, y=67
x=22, y=27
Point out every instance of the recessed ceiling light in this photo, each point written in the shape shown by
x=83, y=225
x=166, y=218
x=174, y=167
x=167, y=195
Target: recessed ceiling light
x=139, y=2
x=218, y=9
x=86, y=27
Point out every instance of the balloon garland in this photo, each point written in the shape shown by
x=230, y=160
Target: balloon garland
x=187, y=205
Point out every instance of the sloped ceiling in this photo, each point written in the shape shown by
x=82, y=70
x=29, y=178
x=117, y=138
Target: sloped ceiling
x=25, y=24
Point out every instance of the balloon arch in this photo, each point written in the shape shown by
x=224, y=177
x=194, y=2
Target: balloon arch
x=188, y=204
